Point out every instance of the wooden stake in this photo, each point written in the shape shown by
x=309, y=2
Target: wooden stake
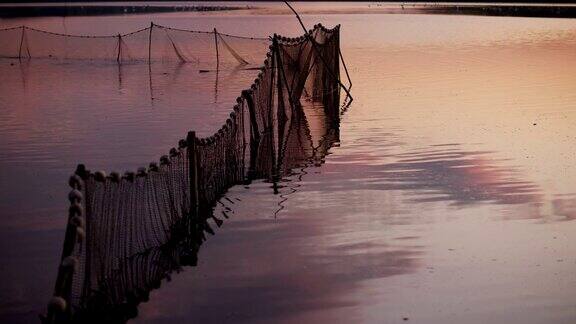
x=21, y=42
x=119, y=56
x=150, y=43
x=272, y=131
x=193, y=174
x=217, y=55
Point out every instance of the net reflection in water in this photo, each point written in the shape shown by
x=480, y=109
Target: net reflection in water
x=127, y=232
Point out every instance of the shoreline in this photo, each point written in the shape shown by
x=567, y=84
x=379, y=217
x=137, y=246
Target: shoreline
x=505, y=11
x=16, y=11
x=69, y=10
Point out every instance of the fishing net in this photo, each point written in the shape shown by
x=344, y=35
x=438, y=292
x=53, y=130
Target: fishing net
x=127, y=232
x=155, y=44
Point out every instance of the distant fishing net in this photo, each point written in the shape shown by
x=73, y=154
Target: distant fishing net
x=127, y=232
x=155, y=44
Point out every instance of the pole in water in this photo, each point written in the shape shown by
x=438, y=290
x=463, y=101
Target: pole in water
x=119, y=56
x=193, y=174
x=216, y=43
x=21, y=42
x=216, y=88
x=273, y=77
x=150, y=43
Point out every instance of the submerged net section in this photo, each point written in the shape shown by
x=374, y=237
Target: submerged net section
x=154, y=44
x=127, y=232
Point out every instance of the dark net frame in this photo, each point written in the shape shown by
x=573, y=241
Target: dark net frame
x=126, y=233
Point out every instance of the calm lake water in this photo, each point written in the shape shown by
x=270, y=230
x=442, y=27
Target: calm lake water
x=451, y=197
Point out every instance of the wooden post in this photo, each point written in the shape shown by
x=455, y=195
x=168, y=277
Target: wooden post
x=291, y=99
x=193, y=174
x=254, y=134
x=270, y=109
x=150, y=43
x=21, y=42
x=280, y=112
x=119, y=56
x=217, y=55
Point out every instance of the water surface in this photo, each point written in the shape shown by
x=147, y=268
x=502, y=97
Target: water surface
x=449, y=199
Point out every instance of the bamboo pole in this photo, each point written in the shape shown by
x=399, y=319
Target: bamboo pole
x=217, y=54
x=150, y=43
x=255, y=132
x=21, y=42
x=119, y=56
x=280, y=108
x=270, y=110
x=193, y=174
x=345, y=68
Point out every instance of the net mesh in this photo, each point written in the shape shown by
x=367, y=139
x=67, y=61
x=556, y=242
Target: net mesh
x=127, y=232
x=155, y=43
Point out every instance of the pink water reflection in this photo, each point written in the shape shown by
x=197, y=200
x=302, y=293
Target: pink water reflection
x=449, y=199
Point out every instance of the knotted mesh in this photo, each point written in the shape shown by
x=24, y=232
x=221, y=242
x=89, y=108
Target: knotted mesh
x=127, y=232
x=155, y=44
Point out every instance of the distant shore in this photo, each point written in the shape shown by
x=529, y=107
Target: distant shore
x=511, y=10
x=15, y=11
x=505, y=10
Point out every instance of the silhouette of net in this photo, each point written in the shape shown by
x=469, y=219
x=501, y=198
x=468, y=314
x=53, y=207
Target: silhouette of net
x=118, y=222
x=155, y=44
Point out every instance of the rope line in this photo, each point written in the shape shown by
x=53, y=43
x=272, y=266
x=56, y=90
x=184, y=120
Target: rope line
x=129, y=33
